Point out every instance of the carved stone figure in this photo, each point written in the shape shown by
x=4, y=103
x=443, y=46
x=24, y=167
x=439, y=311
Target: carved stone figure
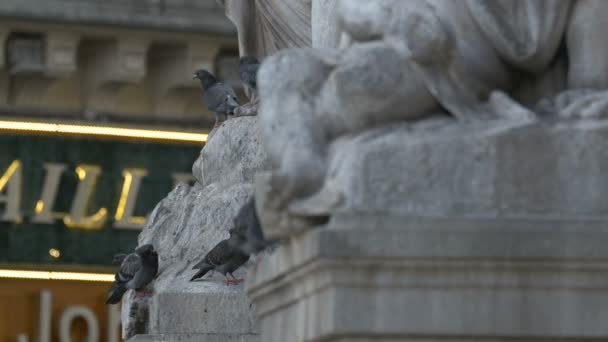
x=400, y=61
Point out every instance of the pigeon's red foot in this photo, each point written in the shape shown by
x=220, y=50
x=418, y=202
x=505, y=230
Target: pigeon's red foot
x=143, y=293
x=234, y=280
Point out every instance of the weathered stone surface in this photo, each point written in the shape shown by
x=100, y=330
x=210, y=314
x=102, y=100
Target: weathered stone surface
x=324, y=24
x=389, y=278
x=208, y=306
x=507, y=169
x=232, y=154
x=185, y=226
x=134, y=314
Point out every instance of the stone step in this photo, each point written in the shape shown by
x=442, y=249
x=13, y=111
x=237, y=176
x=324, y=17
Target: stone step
x=202, y=307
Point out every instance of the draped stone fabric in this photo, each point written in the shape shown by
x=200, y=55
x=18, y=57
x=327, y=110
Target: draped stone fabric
x=526, y=33
x=266, y=26
x=282, y=24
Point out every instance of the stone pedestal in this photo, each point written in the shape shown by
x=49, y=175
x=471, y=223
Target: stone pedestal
x=450, y=232
x=385, y=278
x=183, y=228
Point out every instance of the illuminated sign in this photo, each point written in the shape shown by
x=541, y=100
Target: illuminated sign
x=81, y=199
x=11, y=183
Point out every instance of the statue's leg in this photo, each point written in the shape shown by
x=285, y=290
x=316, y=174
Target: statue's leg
x=372, y=85
x=289, y=83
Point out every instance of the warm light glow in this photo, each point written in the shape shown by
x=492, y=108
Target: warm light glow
x=124, y=195
x=81, y=173
x=137, y=220
x=91, y=222
x=105, y=131
x=50, y=275
x=131, y=178
x=55, y=253
x=39, y=206
x=9, y=172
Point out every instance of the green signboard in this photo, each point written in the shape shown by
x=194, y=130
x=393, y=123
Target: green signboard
x=79, y=200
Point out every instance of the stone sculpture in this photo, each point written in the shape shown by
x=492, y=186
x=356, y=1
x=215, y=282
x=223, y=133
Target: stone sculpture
x=454, y=153
x=405, y=61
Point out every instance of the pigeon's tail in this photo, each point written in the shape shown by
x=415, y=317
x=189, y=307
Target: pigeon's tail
x=202, y=271
x=115, y=293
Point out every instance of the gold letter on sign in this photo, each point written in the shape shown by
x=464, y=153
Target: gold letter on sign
x=45, y=204
x=87, y=174
x=126, y=204
x=11, y=181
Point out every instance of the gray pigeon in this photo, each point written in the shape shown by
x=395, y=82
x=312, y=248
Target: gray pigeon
x=222, y=258
x=249, y=236
x=220, y=98
x=136, y=271
x=248, y=70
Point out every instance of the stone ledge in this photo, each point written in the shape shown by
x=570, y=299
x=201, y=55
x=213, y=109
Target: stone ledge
x=543, y=169
x=190, y=16
x=455, y=279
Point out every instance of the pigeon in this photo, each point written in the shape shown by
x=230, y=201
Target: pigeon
x=248, y=70
x=219, y=97
x=249, y=236
x=136, y=271
x=224, y=259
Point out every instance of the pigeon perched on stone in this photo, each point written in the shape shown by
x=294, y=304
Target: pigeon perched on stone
x=222, y=258
x=249, y=236
x=220, y=98
x=248, y=71
x=136, y=271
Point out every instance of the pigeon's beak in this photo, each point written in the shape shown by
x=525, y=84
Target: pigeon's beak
x=195, y=77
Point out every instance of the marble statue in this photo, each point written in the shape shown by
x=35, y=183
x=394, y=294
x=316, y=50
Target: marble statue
x=392, y=61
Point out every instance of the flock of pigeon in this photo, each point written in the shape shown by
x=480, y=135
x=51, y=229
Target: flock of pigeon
x=139, y=268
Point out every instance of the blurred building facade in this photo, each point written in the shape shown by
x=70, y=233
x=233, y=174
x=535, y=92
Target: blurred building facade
x=99, y=119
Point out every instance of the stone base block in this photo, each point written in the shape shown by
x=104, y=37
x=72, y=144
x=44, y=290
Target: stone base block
x=404, y=279
x=203, y=307
x=540, y=169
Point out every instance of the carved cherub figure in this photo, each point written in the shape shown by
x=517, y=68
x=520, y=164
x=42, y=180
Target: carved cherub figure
x=406, y=60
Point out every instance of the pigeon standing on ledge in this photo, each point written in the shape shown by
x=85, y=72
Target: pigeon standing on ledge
x=249, y=235
x=136, y=271
x=248, y=71
x=222, y=258
x=220, y=98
